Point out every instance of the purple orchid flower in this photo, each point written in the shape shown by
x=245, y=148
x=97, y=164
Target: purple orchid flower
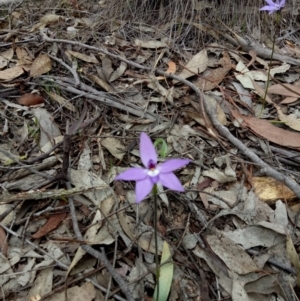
x=153, y=173
x=273, y=6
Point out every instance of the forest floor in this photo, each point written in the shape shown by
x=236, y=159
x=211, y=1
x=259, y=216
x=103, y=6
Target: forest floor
x=78, y=87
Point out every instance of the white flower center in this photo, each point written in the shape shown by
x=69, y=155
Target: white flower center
x=152, y=172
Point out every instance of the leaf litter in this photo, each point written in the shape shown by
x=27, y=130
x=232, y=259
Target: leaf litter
x=71, y=116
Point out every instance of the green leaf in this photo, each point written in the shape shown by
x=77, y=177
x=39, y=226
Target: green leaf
x=165, y=275
x=161, y=147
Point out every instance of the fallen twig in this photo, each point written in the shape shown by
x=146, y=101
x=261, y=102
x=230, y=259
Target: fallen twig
x=104, y=98
x=40, y=194
x=72, y=70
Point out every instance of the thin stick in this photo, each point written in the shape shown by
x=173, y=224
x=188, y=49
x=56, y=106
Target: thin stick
x=154, y=191
x=269, y=69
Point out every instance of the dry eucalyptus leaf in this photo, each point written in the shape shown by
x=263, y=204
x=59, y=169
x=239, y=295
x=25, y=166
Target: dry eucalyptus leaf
x=99, y=232
x=42, y=284
x=261, y=92
x=265, y=129
x=48, y=128
x=244, y=94
x=46, y=20
x=244, y=76
x=23, y=56
x=84, y=57
x=233, y=255
x=293, y=256
x=196, y=65
x=78, y=255
x=281, y=229
x=83, y=178
x=262, y=75
x=172, y=67
x=150, y=44
x=107, y=68
x=114, y=146
x=289, y=100
x=270, y=190
x=11, y=73
x=5, y=57
x=51, y=18
x=3, y=241
x=101, y=83
x=41, y=65
x=289, y=120
x=285, y=89
x=62, y=101
x=26, y=272
x=84, y=292
x=22, y=133
x=254, y=236
x=218, y=175
x=118, y=72
x=146, y=239
x=156, y=86
x=29, y=99
x=212, y=77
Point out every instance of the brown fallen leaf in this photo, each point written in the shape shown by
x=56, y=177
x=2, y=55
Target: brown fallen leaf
x=272, y=133
x=86, y=292
x=270, y=190
x=3, y=241
x=286, y=90
x=212, y=77
x=199, y=117
x=171, y=70
x=23, y=56
x=84, y=57
x=100, y=82
x=289, y=120
x=288, y=100
x=172, y=67
x=29, y=99
x=47, y=20
x=232, y=254
x=11, y=73
x=119, y=71
x=253, y=55
x=150, y=44
x=293, y=257
x=114, y=146
x=62, y=101
x=51, y=18
x=196, y=65
x=291, y=99
x=261, y=92
x=41, y=65
x=50, y=225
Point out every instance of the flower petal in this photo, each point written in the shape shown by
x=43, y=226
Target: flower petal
x=147, y=150
x=142, y=189
x=282, y=3
x=271, y=3
x=132, y=174
x=170, y=181
x=172, y=164
x=269, y=8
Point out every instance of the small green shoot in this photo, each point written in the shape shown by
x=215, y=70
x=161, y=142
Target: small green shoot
x=166, y=272
x=161, y=147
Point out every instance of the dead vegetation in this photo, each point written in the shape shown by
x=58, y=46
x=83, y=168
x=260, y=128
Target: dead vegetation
x=80, y=81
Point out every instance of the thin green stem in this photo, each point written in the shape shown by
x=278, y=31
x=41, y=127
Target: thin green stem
x=154, y=192
x=269, y=69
